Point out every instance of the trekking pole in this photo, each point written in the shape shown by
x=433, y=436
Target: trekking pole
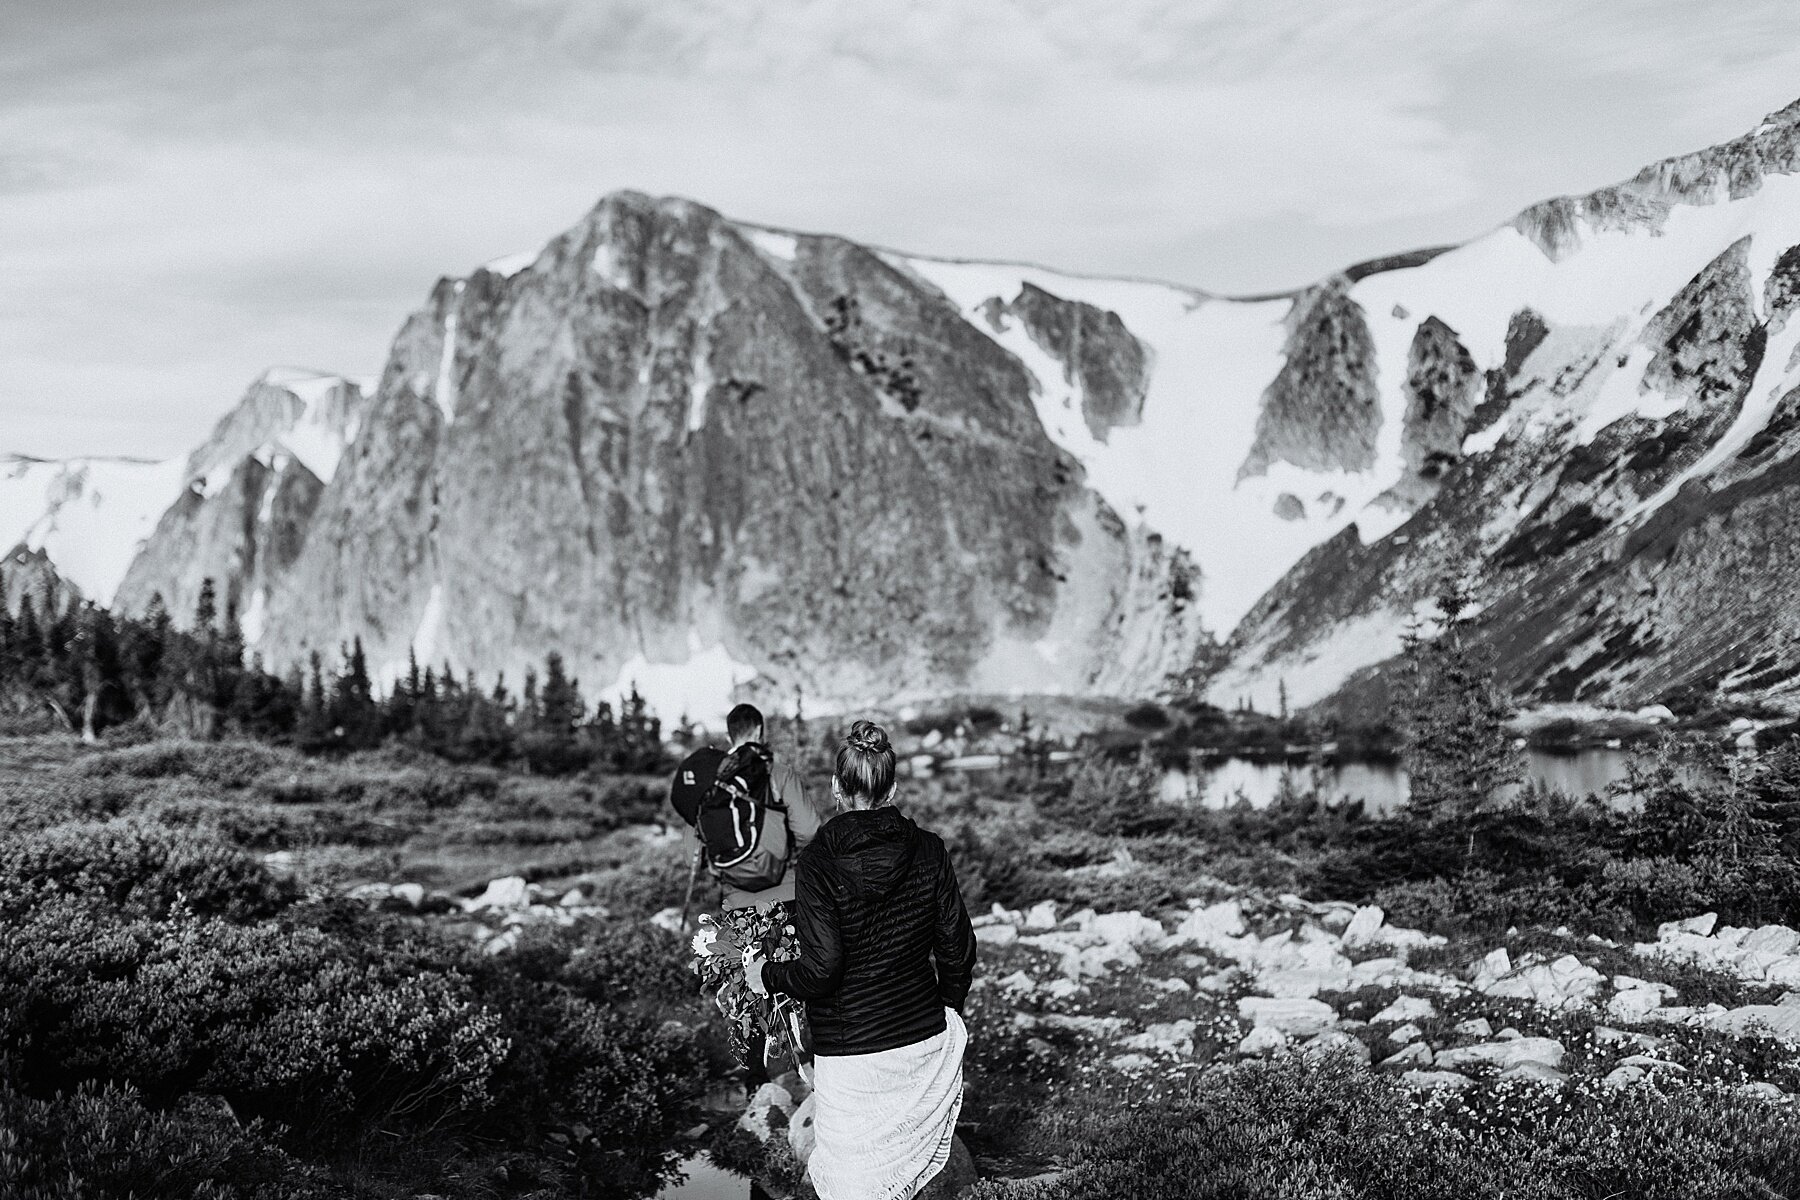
x=687, y=901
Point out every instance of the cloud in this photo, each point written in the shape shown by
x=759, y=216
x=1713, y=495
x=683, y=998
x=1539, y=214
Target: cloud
x=193, y=189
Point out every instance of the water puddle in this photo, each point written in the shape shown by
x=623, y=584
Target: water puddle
x=702, y=1180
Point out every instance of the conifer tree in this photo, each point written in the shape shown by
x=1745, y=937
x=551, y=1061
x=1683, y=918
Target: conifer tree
x=355, y=713
x=29, y=640
x=314, y=721
x=560, y=704
x=146, y=646
x=640, y=735
x=9, y=651
x=529, y=714
x=206, y=608
x=1451, y=716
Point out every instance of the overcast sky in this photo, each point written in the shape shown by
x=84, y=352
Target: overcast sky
x=192, y=190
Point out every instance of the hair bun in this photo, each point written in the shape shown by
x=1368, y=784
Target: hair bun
x=867, y=737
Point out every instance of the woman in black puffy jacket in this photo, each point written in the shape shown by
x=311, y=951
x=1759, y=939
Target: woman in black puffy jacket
x=886, y=958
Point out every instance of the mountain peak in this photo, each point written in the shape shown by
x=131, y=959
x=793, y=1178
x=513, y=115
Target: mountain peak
x=630, y=200
x=1780, y=118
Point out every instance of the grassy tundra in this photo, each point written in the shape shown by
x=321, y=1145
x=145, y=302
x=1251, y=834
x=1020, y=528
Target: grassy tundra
x=215, y=968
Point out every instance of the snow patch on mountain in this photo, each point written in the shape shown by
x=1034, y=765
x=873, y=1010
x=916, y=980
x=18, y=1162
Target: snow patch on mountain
x=90, y=516
x=700, y=688
x=1177, y=471
x=784, y=246
x=254, y=622
x=508, y=265
x=444, y=390
x=1629, y=273
x=699, y=386
x=311, y=415
x=609, y=266
x=431, y=626
x=1315, y=673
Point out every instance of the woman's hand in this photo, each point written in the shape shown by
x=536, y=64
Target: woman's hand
x=753, y=973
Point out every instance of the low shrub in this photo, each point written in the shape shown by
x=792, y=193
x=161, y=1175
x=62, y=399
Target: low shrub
x=1147, y=716
x=224, y=764
x=139, y=868
x=290, y=1024
x=646, y=886
x=608, y=962
x=1332, y=1130
x=634, y=799
x=103, y=1141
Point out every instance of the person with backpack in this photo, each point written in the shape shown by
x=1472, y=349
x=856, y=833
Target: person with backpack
x=751, y=818
x=887, y=956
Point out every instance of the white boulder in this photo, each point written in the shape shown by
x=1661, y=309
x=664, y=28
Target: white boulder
x=1769, y=1020
x=1293, y=1016
x=1633, y=1005
x=1364, y=924
x=1406, y=1009
x=1264, y=1039
x=801, y=1135
x=1778, y=940
x=509, y=892
x=1412, y=1056
x=1131, y=929
x=1167, y=1037
x=1700, y=926
x=1501, y=1055
x=770, y=1097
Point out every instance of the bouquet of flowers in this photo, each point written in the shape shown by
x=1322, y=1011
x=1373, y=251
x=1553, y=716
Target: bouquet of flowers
x=772, y=1025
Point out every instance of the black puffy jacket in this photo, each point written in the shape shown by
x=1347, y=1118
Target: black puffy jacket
x=875, y=904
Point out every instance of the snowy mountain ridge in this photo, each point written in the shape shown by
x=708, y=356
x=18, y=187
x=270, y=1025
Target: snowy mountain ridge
x=1099, y=481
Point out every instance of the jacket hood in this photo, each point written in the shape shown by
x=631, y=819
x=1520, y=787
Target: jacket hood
x=874, y=848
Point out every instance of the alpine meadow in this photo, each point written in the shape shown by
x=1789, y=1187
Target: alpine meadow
x=733, y=712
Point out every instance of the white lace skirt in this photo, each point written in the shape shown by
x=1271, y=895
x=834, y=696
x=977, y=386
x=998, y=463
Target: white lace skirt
x=884, y=1122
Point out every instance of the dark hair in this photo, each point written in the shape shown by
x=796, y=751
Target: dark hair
x=865, y=762
x=742, y=721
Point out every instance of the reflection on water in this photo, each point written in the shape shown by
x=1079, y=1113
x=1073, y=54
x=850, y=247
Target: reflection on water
x=704, y=1181
x=1380, y=786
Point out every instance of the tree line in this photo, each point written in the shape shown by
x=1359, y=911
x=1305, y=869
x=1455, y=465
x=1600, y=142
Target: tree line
x=87, y=669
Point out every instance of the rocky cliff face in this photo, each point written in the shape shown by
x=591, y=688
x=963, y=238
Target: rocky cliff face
x=29, y=575
x=674, y=440
x=690, y=453
x=247, y=501
x=1621, y=495
x=1323, y=410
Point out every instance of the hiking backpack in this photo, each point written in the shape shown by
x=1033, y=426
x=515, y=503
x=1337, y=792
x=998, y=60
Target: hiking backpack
x=693, y=779
x=742, y=824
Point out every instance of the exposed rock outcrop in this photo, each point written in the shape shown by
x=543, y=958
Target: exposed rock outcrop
x=1708, y=340
x=1443, y=386
x=1097, y=352
x=1323, y=411
x=30, y=575
x=1734, y=170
